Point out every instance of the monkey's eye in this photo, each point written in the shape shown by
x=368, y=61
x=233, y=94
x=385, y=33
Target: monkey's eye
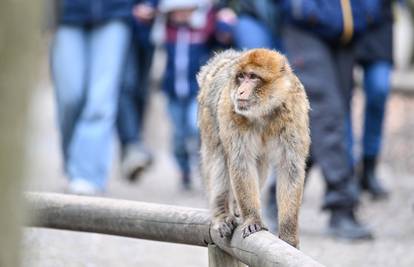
x=240, y=76
x=253, y=76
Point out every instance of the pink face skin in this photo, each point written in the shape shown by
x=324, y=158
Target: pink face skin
x=247, y=83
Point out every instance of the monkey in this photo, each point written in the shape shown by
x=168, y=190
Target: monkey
x=252, y=115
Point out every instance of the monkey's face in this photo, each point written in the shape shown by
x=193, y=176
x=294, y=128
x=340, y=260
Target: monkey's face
x=246, y=96
x=261, y=82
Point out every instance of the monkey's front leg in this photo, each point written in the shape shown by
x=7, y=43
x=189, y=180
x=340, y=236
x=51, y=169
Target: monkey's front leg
x=223, y=220
x=245, y=186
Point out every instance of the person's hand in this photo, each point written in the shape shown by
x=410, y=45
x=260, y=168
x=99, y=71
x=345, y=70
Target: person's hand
x=143, y=13
x=227, y=16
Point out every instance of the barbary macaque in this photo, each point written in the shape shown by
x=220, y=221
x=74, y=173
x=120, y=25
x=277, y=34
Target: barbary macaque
x=253, y=114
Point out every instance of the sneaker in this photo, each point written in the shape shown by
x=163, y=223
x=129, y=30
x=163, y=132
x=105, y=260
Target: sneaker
x=82, y=187
x=344, y=225
x=134, y=161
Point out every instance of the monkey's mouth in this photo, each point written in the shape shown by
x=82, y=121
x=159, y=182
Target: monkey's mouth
x=243, y=104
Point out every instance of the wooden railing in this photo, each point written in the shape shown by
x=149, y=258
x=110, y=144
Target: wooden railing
x=162, y=223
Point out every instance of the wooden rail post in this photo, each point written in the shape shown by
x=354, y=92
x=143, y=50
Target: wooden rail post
x=219, y=258
x=163, y=223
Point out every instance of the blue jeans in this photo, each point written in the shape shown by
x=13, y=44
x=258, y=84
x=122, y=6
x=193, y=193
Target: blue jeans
x=183, y=113
x=134, y=93
x=86, y=67
x=376, y=89
x=251, y=33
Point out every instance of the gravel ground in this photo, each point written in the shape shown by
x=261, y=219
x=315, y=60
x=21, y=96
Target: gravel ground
x=392, y=220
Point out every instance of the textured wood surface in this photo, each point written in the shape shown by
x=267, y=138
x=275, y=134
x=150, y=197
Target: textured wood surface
x=218, y=258
x=121, y=217
x=161, y=223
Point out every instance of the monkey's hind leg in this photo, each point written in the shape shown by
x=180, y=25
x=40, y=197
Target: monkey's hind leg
x=290, y=181
x=223, y=219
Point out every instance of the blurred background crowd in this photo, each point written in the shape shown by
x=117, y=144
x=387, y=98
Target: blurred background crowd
x=109, y=60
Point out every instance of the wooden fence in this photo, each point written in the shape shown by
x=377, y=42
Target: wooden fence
x=162, y=223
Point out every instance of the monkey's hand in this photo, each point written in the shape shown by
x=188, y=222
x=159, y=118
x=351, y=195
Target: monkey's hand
x=252, y=226
x=225, y=225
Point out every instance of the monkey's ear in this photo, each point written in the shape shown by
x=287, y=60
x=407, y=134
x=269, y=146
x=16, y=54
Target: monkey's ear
x=285, y=68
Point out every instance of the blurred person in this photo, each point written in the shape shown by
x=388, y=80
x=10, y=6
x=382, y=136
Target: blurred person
x=188, y=37
x=319, y=38
x=374, y=52
x=135, y=157
x=260, y=19
x=87, y=57
x=410, y=5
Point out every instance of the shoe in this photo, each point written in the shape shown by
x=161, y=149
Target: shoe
x=344, y=225
x=79, y=186
x=135, y=160
x=369, y=181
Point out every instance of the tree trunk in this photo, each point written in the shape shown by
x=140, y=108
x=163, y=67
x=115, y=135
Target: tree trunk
x=19, y=33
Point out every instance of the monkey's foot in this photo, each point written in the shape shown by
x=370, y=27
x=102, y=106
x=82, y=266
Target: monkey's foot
x=251, y=228
x=225, y=226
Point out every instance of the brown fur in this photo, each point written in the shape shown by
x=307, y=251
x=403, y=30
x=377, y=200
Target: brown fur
x=240, y=139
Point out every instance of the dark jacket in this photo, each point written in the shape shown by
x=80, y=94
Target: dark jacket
x=267, y=11
x=376, y=43
x=93, y=11
x=326, y=17
x=142, y=30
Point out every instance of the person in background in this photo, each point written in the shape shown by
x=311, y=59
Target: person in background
x=135, y=157
x=319, y=41
x=189, y=33
x=410, y=5
x=374, y=52
x=260, y=19
x=87, y=59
